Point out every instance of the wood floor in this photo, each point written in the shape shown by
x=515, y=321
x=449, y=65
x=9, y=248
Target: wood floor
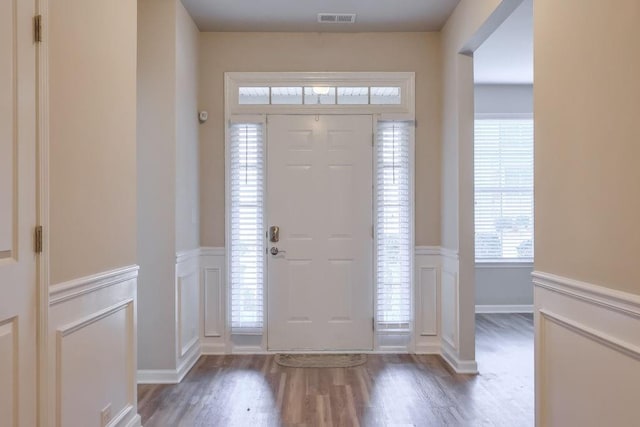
x=389, y=390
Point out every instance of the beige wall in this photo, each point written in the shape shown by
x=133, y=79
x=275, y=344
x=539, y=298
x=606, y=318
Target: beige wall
x=168, y=142
x=187, y=143
x=156, y=182
x=587, y=104
x=418, y=52
x=93, y=137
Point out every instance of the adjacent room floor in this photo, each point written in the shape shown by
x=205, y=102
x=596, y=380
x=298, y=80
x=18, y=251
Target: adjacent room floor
x=389, y=390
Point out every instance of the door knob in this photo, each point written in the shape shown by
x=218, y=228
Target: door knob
x=275, y=251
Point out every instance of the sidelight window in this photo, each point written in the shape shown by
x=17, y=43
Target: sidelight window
x=393, y=219
x=247, y=228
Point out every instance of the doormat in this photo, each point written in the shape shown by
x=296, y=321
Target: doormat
x=321, y=360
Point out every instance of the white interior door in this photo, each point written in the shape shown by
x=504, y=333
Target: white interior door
x=319, y=194
x=17, y=215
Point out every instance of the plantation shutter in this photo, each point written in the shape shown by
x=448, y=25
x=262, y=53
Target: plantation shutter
x=504, y=189
x=247, y=229
x=393, y=226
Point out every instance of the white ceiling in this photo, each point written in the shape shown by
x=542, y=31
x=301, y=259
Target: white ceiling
x=301, y=15
x=506, y=57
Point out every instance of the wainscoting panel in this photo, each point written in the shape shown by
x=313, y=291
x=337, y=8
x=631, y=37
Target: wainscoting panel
x=187, y=309
x=213, y=273
x=188, y=296
x=213, y=302
x=587, y=353
x=427, y=300
x=92, y=324
x=435, y=307
x=450, y=305
x=8, y=372
x=105, y=362
x=428, y=284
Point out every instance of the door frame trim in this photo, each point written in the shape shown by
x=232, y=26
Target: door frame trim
x=235, y=112
x=42, y=215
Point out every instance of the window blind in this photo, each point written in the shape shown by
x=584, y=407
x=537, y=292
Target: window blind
x=393, y=226
x=504, y=189
x=247, y=228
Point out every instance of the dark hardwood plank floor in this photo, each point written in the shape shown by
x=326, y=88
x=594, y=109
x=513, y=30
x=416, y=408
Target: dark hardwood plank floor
x=390, y=390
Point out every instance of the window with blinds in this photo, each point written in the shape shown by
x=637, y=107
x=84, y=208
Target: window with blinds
x=393, y=226
x=504, y=189
x=247, y=229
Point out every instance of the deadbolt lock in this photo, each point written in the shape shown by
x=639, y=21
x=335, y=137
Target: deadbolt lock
x=274, y=234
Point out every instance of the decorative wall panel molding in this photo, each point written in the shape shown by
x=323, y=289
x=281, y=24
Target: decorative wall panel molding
x=214, y=303
x=587, y=353
x=92, y=323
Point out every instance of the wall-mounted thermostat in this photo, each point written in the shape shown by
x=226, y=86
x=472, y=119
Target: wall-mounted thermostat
x=203, y=116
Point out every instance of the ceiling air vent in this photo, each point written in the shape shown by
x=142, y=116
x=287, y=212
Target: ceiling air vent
x=336, y=18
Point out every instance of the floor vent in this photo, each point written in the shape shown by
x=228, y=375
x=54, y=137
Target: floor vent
x=337, y=18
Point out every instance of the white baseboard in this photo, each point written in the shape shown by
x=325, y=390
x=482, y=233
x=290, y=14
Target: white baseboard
x=213, y=349
x=428, y=349
x=134, y=422
x=504, y=308
x=158, y=376
x=170, y=376
x=189, y=361
x=468, y=367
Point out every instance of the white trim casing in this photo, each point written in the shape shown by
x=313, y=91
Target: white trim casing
x=235, y=112
x=504, y=308
x=43, y=191
x=587, y=353
x=503, y=265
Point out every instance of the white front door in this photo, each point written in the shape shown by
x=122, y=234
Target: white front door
x=319, y=194
x=17, y=215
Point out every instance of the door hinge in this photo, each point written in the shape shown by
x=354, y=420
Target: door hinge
x=373, y=324
x=37, y=246
x=37, y=28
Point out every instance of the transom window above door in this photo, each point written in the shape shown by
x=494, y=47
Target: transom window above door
x=319, y=95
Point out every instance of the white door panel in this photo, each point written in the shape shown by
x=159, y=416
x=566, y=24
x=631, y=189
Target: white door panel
x=17, y=215
x=319, y=192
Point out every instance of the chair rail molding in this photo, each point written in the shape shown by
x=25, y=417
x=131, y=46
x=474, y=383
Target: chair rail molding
x=75, y=288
